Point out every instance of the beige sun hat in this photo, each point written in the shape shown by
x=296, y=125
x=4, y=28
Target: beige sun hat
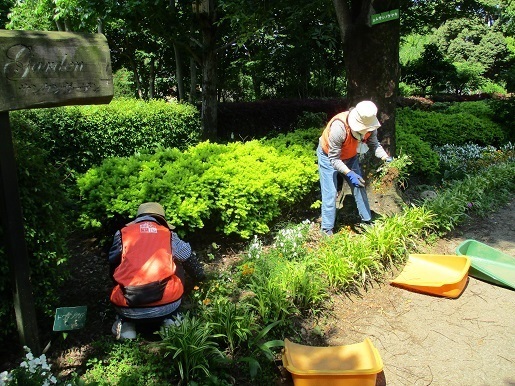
x=364, y=117
x=153, y=208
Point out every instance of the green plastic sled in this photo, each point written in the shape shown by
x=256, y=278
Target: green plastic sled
x=488, y=264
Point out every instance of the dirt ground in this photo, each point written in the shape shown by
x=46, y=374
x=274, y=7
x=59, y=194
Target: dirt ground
x=427, y=340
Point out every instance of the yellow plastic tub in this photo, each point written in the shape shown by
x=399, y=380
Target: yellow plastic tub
x=351, y=365
x=440, y=275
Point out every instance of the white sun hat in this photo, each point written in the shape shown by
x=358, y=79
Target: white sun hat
x=363, y=117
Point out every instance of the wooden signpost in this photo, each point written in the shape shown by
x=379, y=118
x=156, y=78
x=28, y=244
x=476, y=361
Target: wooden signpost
x=41, y=69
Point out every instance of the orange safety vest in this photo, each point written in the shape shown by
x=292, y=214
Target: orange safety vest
x=146, y=261
x=350, y=145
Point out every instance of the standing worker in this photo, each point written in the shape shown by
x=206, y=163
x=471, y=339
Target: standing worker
x=346, y=135
x=147, y=262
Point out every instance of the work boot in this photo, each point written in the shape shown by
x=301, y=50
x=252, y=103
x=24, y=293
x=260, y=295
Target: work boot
x=173, y=321
x=327, y=232
x=123, y=330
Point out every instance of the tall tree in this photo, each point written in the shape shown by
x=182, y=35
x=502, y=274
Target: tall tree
x=371, y=54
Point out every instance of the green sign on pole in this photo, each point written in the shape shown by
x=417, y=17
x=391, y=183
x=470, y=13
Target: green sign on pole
x=385, y=16
x=70, y=318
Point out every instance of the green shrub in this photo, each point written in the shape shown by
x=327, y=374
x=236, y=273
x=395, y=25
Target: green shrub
x=503, y=114
x=44, y=204
x=308, y=120
x=439, y=128
x=236, y=188
x=481, y=109
x=123, y=82
x=84, y=136
x=424, y=160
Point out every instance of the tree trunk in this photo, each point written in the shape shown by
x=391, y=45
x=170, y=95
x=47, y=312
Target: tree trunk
x=209, y=115
x=136, y=78
x=193, y=81
x=371, y=55
x=179, y=73
x=152, y=79
x=100, y=26
x=59, y=24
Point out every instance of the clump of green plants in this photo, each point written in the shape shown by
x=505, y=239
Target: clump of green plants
x=127, y=363
x=456, y=162
x=45, y=204
x=479, y=193
x=191, y=348
x=239, y=188
x=392, y=174
x=451, y=126
x=424, y=159
x=84, y=136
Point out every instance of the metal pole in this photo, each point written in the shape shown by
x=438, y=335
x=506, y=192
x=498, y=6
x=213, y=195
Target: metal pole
x=15, y=245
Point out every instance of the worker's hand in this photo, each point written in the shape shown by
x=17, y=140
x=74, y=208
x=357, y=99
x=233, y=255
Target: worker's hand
x=388, y=159
x=356, y=179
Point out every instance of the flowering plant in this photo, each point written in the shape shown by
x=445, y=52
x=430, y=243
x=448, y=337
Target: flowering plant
x=31, y=372
x=34, y=371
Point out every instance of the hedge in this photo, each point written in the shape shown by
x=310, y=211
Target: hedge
x=83, y=136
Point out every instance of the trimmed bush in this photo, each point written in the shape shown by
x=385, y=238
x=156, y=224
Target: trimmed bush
x=439, y=128
x=424, y=160
x=239, y=188
x=83, y=136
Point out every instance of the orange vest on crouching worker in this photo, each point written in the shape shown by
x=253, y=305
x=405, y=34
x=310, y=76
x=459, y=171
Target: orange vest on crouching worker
x=146, y=258
x=350, y=145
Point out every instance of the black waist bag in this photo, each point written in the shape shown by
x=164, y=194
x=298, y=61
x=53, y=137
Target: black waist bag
x=141, y=295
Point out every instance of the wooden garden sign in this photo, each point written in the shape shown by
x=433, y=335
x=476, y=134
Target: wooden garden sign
x=41, y=69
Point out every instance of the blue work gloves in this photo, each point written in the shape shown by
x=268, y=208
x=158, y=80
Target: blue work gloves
x=388, y=159
x=356, y=179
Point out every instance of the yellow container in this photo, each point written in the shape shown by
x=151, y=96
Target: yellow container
x=440, y=275
x=351, y=365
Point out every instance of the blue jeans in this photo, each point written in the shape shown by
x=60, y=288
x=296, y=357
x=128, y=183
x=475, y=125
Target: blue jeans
x=328, y=186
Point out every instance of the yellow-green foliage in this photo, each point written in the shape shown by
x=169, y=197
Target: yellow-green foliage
x=237, y=188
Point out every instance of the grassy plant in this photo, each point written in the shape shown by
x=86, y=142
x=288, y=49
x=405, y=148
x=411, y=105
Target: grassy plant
x=191, y=347
x=332, y=261
x=258, y=347
x=489, y=189
x=232, y=320
x=269, y=299
x=391, y=237
x=305, y=288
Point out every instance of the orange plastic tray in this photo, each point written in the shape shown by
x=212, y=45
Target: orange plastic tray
x=351, y=365
x=440, y=275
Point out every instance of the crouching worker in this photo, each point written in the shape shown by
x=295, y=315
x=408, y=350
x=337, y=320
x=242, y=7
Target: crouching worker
x=147, y=263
